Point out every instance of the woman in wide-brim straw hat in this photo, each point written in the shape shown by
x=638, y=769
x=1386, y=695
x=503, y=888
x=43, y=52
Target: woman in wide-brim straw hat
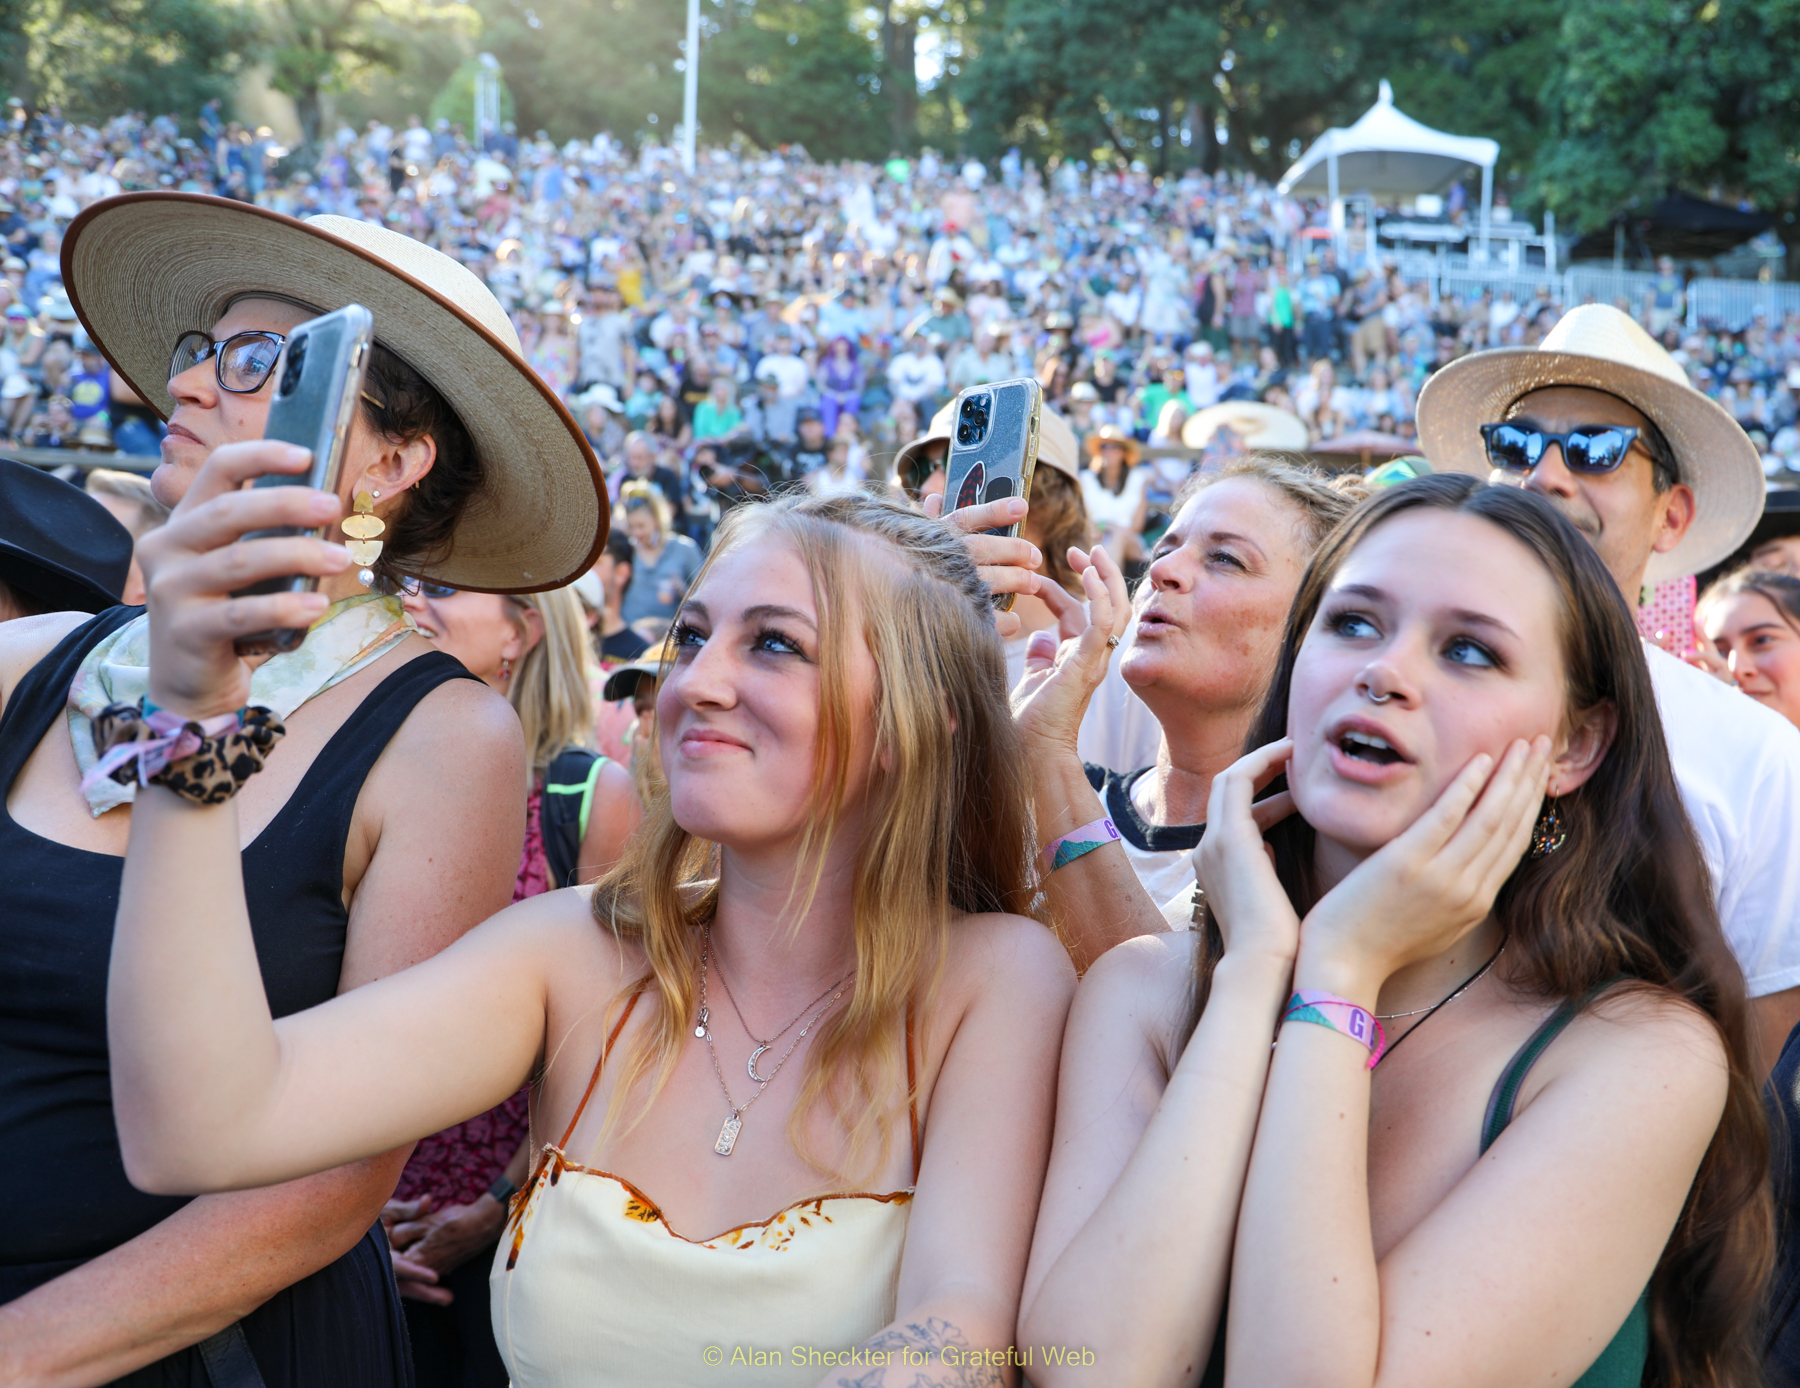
x=1113, y=488
x=389, y=824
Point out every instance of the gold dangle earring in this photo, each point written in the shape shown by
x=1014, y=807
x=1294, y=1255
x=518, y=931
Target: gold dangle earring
x=364, y=527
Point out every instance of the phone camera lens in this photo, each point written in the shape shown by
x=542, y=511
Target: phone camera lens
x=296, y=360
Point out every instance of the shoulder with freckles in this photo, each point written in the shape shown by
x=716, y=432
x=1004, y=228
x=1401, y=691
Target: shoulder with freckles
x=461, y=735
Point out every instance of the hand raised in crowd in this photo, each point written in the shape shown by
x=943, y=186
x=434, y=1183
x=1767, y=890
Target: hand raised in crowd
x=1429, y=886
x=1061, y=675
x=1704, y=656
x=193, y=564
x=1236, y=868
x=1005, y=564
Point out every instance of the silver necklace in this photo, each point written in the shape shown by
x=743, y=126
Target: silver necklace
x=731, y=997
x=1468, y=983
x=734, y=1122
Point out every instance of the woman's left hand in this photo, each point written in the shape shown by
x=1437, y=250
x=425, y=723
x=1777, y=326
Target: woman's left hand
x=1005, y=564
x=1432, y=884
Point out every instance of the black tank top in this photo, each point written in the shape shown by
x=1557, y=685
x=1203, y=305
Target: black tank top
x=59, y=1150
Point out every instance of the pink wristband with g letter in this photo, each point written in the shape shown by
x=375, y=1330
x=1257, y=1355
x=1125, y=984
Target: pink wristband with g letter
x=1341, y=1015
x=1077, y=842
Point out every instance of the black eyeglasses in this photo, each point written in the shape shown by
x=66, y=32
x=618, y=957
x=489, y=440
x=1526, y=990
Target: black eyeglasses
x=1591, y=448
x=241, y=363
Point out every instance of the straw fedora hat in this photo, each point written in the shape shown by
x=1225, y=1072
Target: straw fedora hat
x=143, y=268
x=1257, y=424
x=1599, y=348
x=1112, y=433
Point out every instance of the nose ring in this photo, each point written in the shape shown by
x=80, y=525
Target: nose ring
x=1380, y=698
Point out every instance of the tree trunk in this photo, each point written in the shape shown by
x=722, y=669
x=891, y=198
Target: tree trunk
x=898, y=35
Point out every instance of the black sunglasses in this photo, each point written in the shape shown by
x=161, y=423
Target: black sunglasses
x=241, y=363
x=418, y=587
x=1591, y=448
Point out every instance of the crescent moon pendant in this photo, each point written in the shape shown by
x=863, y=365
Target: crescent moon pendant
x=752, y=1065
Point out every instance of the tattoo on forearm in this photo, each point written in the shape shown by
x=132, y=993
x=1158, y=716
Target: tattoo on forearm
x=937, y=1354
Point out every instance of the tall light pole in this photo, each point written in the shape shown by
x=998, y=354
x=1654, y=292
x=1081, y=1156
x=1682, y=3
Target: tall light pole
x=690, y=89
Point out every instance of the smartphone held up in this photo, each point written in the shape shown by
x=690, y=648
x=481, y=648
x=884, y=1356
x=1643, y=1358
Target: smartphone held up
x=993, y=450
x=317, y=384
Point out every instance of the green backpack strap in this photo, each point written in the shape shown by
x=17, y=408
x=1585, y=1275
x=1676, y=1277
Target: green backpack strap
x=568, y=800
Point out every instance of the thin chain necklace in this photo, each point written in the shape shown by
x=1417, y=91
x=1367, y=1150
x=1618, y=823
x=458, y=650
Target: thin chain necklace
x=734, y=1122
x=1466, y=984
x=761, y=1045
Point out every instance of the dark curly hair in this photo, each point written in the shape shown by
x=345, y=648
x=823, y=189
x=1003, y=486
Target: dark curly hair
x=411, y=408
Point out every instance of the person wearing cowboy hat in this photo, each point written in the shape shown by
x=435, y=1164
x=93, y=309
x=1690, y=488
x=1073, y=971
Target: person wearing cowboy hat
x=60, y=550
x=1113, y=487
x=1601, y=422
x=388, y=825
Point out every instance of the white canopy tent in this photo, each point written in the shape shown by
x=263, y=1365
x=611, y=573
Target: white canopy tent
x=1387, y=151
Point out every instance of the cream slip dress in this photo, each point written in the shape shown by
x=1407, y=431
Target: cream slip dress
x=594, y=1289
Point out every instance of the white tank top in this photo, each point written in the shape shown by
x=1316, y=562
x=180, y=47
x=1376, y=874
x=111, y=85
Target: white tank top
x=594, y=1289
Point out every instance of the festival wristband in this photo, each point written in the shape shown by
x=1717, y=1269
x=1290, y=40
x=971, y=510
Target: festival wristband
x=1075, y=843
x=1341, y=1015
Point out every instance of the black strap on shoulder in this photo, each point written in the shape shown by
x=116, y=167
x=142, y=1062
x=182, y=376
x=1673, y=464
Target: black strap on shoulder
x=229, y=1362
x=568, y=794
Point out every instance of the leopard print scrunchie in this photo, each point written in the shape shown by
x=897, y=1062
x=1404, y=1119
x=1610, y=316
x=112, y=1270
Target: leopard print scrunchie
x=211, y=762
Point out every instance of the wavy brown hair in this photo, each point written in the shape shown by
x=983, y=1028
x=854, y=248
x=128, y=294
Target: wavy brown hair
x=1627, y=898
x=946, y=829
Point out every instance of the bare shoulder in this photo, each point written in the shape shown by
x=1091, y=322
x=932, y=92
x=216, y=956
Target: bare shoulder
x=1144, y=982
x=996, y=951
x=463, y=718
x=25, y=641
x=1641, y=1046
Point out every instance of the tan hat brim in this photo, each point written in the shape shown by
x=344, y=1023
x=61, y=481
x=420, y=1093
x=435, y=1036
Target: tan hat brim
x=143, y=268
x=1715, y=457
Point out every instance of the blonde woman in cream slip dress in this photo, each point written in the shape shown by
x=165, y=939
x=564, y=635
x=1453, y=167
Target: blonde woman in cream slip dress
x=797, y=1053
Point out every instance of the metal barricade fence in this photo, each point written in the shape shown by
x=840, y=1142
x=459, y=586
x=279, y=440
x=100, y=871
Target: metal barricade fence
x=1734, y=304
x=1601, y=284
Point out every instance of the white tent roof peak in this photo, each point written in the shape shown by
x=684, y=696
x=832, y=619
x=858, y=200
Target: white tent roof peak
x=1387, y=151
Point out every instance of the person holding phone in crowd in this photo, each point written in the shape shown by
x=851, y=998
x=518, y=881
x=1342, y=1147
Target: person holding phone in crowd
x=390, y=825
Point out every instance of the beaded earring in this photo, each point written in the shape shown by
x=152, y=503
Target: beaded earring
x=364, y=527
x=1549, y=833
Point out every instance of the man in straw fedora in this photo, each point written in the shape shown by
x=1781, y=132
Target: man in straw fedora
x=388, y=824
x=1603, y=423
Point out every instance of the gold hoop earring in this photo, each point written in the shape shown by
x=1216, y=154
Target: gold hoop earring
x=364, y=527
x=1549, y=833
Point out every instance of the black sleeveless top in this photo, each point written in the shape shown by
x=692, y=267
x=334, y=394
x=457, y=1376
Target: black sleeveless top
x=59, y=1150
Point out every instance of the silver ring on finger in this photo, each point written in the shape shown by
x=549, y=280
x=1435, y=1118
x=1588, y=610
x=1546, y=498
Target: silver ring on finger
x=1112, y=641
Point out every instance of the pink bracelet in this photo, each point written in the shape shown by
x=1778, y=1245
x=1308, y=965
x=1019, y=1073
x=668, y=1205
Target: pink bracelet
x=1075, y=843
x=1358, y=1023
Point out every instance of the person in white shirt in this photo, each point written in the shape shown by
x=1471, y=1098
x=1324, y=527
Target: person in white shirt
x=917, y=373
x=1602, y=422
x=788, y=370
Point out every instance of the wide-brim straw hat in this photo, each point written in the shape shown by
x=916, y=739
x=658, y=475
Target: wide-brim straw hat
x=1112, y=433
x=1257, y=424
x=938, y=432
x=143, y=268
x=1596, y=347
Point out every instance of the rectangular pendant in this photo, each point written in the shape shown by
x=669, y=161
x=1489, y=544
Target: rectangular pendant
x=728, y=1136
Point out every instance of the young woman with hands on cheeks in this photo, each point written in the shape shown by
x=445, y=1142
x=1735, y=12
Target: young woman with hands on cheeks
x=1561, y=1179
x=795, y=1056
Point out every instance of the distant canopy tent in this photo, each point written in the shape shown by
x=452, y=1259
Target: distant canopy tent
x=1388, y=152
x=1687, y=228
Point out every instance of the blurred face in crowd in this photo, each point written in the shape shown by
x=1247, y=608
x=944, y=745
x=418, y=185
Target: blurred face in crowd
x=738, y=715
x=812, y=432
x=1780, y=555
x=645, y=531
x=1620, y=512
x=640, y=458
x=1760, y=645
x=488, y=632
x=1213, y=601
x=1461, y=665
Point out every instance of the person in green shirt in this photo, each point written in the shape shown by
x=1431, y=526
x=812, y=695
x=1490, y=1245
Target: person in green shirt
x=1152, y=398
x=718, y=415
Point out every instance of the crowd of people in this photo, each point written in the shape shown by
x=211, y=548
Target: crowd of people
x=400, y=1006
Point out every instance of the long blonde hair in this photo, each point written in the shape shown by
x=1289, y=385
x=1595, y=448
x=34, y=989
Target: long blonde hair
x=550, y=689
x=948, y=819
